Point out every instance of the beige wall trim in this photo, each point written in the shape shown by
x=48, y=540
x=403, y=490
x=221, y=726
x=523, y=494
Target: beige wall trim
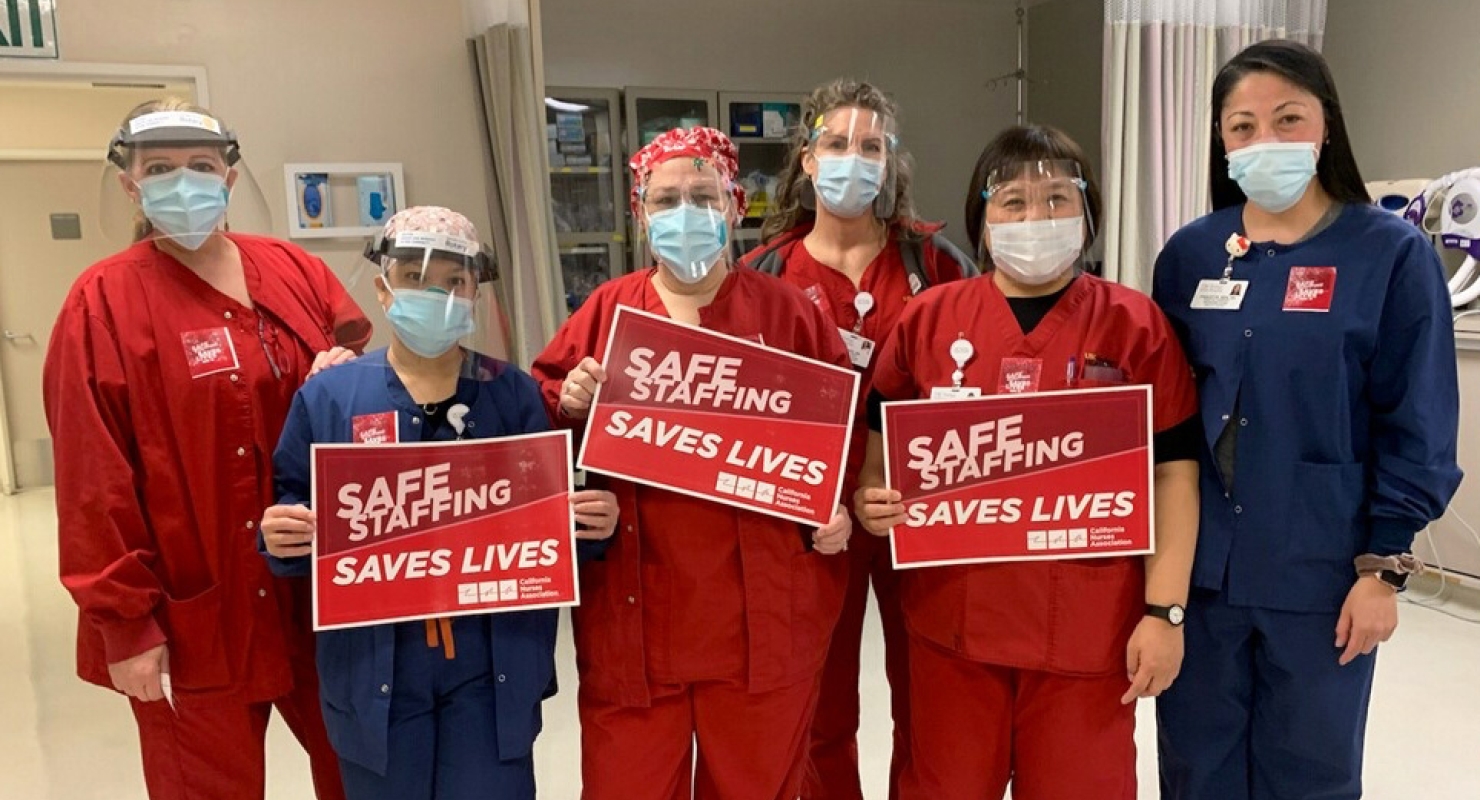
x=61, y=70
x=51, y=155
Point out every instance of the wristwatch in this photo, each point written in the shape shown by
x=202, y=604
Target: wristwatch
x=1174, y=614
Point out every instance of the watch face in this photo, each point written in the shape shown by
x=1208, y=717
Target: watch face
x=1176, y=615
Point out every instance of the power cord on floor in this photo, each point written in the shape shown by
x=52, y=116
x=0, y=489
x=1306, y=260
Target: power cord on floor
x=1437, y=600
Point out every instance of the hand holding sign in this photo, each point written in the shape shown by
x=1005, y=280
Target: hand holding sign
x=596, y=514
x=878, y=509
x=832, y=538
x=287, y=531
x=579, y=388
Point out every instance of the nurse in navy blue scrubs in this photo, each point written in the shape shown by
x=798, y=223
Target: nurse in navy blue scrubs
x=1319, y=329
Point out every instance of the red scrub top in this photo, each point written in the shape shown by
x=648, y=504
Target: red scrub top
x=1069, y=617
x=165, y=399
x=691, y=590
x=887, y=281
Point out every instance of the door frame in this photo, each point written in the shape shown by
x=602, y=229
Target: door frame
x=40, y=72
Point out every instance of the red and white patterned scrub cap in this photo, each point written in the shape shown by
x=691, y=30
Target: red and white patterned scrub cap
x=704, y=144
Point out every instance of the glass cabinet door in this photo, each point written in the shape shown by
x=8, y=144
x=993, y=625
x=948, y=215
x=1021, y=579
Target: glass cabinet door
x=761, y=125
x=584, y=267
x=585, y=176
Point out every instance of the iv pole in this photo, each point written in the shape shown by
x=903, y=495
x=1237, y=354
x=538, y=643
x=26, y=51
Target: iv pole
x=1019, y=75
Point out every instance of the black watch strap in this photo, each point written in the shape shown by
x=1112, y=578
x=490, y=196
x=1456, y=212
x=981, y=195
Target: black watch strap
x=1175, y=615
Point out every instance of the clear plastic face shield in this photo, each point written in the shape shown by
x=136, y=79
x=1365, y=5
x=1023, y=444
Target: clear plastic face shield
x=429, y=286
x=429, y=289
x=1036, y=220
x=852, y=161
x=687, y=211
x=177, y=177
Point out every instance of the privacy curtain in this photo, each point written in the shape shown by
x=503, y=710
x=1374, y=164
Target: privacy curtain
x=1160, y=60
x=530, y=286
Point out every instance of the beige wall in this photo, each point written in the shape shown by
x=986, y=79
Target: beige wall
x=1066, y=45
x=327, y=80
x=1404, y=71
x=933, y=56
x=1410, y=118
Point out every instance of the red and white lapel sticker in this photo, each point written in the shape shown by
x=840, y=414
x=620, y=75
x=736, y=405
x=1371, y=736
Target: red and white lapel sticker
x=209, y=351
x=1019, y=375
x=1310, y=289
x=376, y=428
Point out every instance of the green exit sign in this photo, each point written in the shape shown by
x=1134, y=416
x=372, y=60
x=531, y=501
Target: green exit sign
x=28, y=29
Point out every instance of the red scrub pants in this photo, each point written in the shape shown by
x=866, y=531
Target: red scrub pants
x=979, y=726
x=832, y=768
x=751, y=746
x=215, y=749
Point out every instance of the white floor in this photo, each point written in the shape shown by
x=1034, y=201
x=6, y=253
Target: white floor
x=65, y=740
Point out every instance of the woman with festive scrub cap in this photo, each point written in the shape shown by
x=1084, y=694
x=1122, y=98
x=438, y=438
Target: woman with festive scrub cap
x=437, y=708
x=843, y=230
x=170, y=371
x=703, y=620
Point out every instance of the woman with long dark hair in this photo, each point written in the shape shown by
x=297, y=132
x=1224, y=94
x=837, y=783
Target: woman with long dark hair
x=1319, y=331
x=846, y=234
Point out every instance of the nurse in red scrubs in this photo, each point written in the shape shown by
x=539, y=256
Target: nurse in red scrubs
x=703, y=621
x=1028, y=672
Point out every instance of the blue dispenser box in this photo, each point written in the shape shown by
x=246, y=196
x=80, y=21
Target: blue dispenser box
x=376, y=201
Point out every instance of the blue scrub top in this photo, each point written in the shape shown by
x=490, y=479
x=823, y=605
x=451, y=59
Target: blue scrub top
x=1347, y=419
x=356, y=665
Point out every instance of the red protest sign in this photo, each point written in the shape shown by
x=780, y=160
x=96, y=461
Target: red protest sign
x=442, y=529
x=1055, y=475
x=721, y=418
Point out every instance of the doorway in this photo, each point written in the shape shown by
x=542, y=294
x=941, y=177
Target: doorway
x=51, y=185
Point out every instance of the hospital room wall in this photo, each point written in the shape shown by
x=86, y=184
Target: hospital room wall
x=1407, y=77
x=932, y=56
x=1407, y=81
x=327, y=81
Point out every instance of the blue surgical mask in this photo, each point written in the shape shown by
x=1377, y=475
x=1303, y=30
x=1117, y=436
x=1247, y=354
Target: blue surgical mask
x=429, y=321
x=688, y=240
x=1273, y=175
x=186, y=205
x=847, y=185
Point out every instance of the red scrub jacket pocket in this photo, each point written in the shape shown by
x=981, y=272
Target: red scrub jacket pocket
x=1094, y=607
x=197, y=654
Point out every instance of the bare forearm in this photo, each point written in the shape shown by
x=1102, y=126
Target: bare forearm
x=872, y=472
x=1169, y=569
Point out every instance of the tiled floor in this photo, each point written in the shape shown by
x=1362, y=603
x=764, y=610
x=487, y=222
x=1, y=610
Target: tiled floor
x=65, y=740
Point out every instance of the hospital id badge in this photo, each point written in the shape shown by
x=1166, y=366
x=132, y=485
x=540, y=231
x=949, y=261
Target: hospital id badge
x=1219, y=295
x=954, y=392
x=860, y=348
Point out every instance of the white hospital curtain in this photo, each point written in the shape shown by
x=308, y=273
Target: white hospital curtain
x=1160, y=60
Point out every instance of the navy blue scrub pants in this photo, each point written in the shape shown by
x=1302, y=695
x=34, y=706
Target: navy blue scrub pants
x=443, y=732
x=1262, y=710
